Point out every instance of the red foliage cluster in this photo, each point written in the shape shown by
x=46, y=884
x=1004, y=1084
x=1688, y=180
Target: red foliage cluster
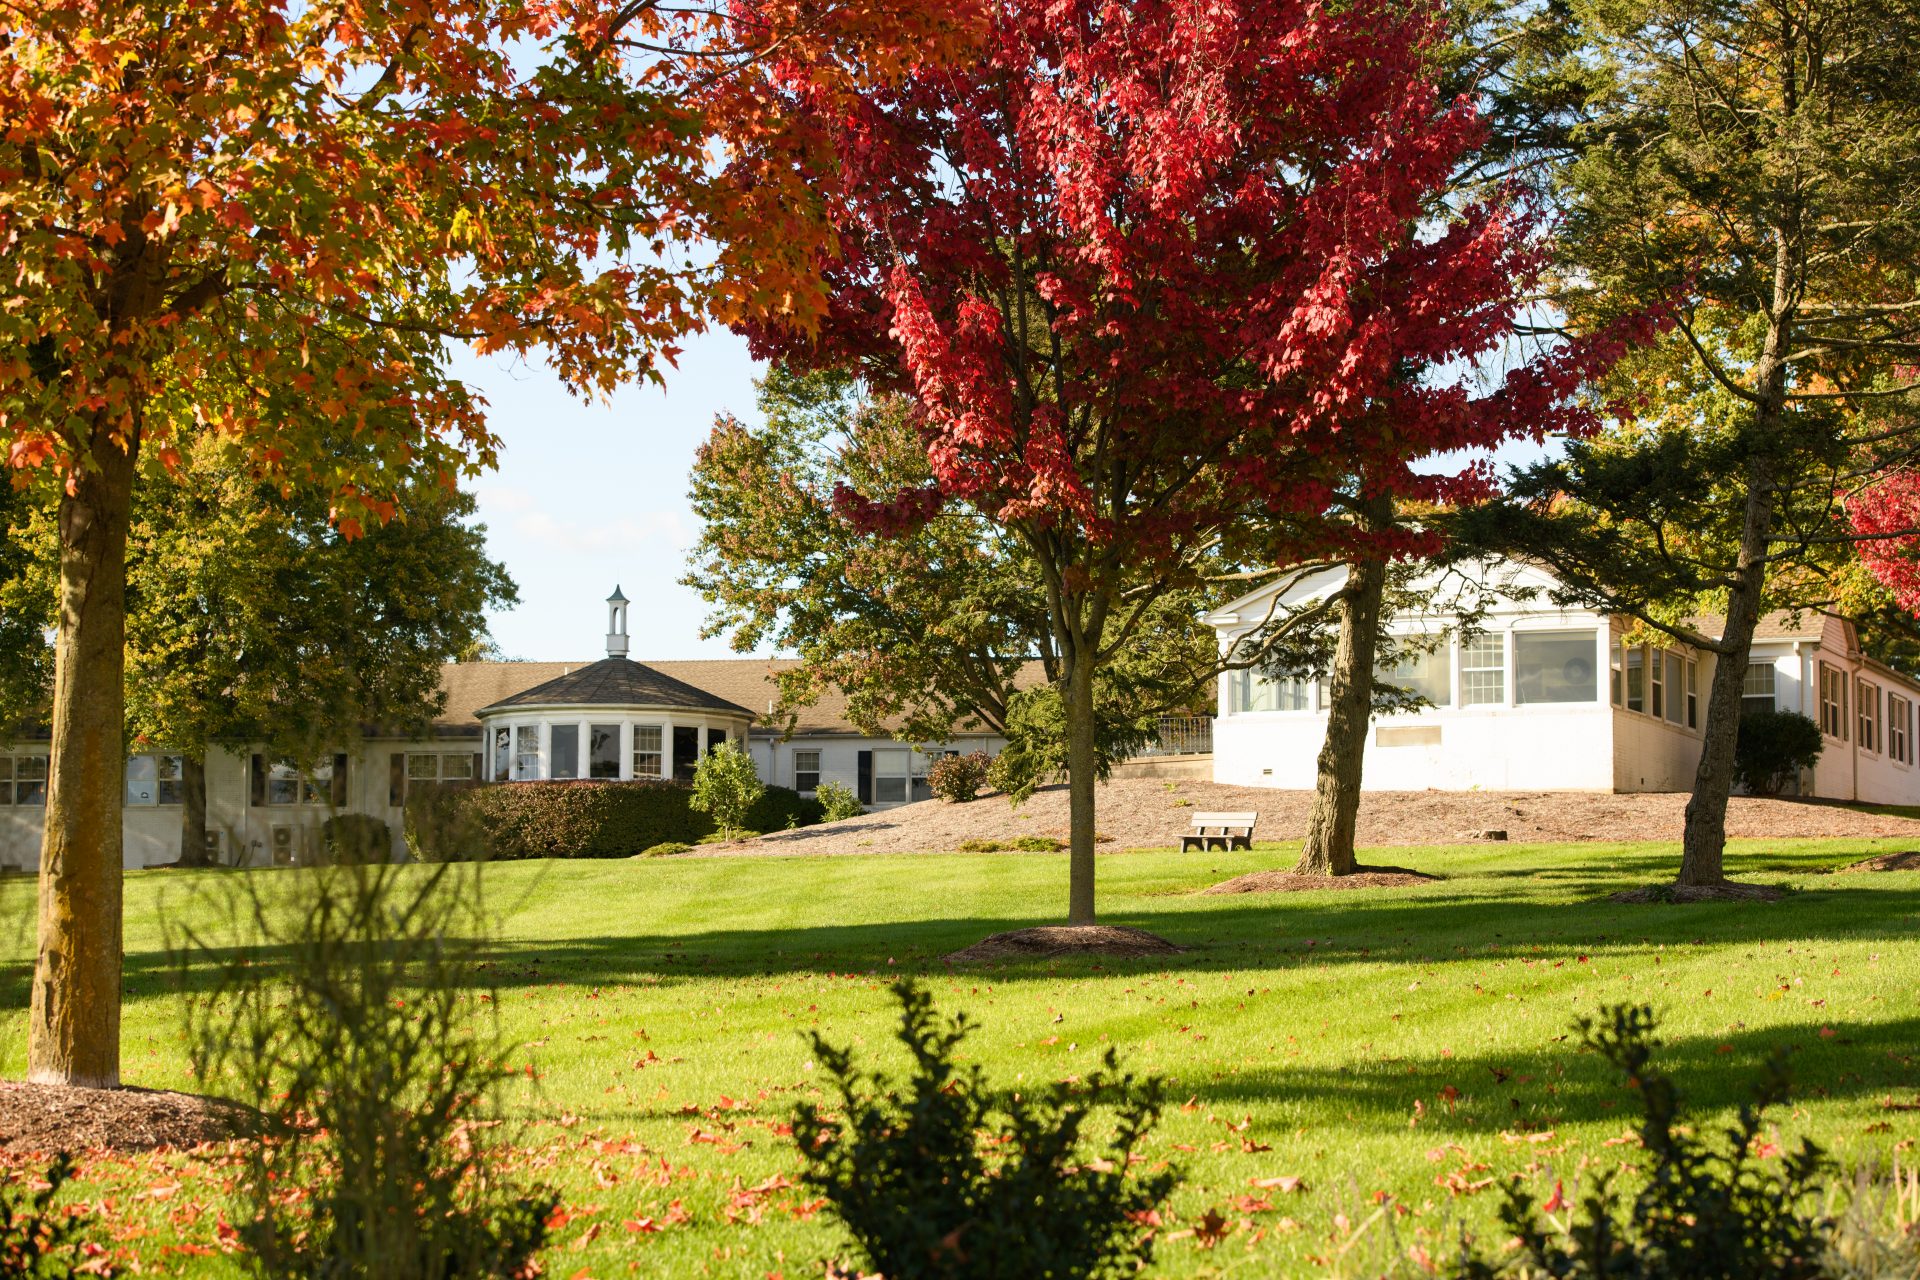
x=1192, y=246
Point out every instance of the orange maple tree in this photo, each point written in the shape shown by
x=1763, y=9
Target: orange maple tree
x=270, y=220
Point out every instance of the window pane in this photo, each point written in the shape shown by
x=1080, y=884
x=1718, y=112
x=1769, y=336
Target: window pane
x=1483, y=670
x=1636, y=679
x=456, y=768
x=646, y=751
x=526, y=752
x=891, y=790
x=6, y=768
x=1676, y=688
x=318, y=788
x=1616, y=667
x=603, y=743
x=1427, y=675
x=142, y=782
x=566, y=751
x=29, y=779
x=172, y=779
x=806, y=771
x=1554, y=666
x=502, y=754
x=283, y=783
x=423, y=768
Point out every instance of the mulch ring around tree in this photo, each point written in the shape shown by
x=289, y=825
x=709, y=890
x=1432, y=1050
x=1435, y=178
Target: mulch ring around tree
x=1294, y=882
x=1050, y=941
x=1905, y=860
x=45, y=1118
x=1727, y=892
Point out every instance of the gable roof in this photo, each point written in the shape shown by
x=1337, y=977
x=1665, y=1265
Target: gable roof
x=615, y=682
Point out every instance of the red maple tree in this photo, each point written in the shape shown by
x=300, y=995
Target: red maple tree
x=268, y=218
x=1164, y=277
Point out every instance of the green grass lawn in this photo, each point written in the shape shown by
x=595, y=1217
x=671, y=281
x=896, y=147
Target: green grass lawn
x=1411, y=1043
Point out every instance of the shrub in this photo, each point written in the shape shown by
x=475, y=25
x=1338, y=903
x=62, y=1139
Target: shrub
x=941, y=1176
x=1702, y=1214
x=726, y=785
x=1036, y=750
x=577, y=819
x=958, y=779
x=349, y=1011
x=781, y=809
x=1036, y=844
x=667, y=849
x=356, y=838
x=983, y=846
x=38, y=1241
x=1773, y=747
x=837, y=802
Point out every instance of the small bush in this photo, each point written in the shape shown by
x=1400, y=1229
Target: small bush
x=350, y=1013
x=37, y=1241
x=441, y=825
x=1037, y=844
x=1703, y=1214
x=667, y=849
x=1774, y=746
x=837, y=802
x=941, y=1176
x=781, y=809
x=958, y=779
x=984, y=846
x=726, y=786
x=356, y=839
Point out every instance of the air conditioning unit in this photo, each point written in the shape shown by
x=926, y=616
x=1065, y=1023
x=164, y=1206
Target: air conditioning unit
x=286, y=846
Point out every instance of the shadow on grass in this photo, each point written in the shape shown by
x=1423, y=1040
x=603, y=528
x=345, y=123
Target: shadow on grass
x=1253, y=932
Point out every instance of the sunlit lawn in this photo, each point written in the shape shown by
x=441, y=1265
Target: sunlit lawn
x=1411, y=1043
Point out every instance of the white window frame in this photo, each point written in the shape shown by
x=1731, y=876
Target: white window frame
x=1693, y=693
x=529, y=752
x=1760, y=684
x=23, y=773
x=1833, y=701
x=1472, y=663
x=904, y=758
x=161, y=770
x=657, y=752
x=1899, y=728
x=619, y=734
x=1866, y=702
x=800, y=769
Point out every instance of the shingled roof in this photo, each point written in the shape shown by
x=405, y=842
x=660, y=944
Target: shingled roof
x=615, y=682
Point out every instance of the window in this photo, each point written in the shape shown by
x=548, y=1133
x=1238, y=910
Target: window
x=603, y=751
x=1637, y=678
x=716, y=738
x=646, y=751
x=429, y=771
x=283, y=783
x=1427, y=674
x=279, y=784
x=23, y=780
x=1255, y=691
x=1554, y=666
x=1483, y=670
x=564, y=746
x=1616, y=664
x=1657, y=680
x=502, y=754
x=154, y=780
x=806, y=772
x=317, y=787
x=1869, y=704
x=1833, y=702
x=526, y=752
x=1756, y=688
x=892, y=776
x=1899, y=728
x=1676, y=688
x=1693, y=693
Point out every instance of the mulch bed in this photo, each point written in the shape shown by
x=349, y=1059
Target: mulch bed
x=1905, y=860
x=1294, y=882
x=46, y=1118
x=1729, y=892
x=1048, y=941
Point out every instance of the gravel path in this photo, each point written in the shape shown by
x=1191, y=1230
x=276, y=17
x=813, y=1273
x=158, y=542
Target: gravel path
x=1151, y=813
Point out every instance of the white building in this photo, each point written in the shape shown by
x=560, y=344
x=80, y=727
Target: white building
x=503, y=722
x=1544, y=698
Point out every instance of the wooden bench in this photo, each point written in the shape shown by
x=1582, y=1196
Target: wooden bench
x=1220, y=831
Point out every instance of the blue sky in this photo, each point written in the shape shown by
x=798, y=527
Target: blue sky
x=590, y=495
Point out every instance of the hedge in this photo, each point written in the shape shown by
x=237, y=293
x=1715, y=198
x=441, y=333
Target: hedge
x=576, y=819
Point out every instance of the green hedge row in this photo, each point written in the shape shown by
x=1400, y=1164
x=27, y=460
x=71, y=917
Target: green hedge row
x=575, y=819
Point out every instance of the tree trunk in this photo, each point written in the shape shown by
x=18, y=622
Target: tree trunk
x=1081, y=768
x=1704, y=839
x=1328, y=850
x=74, y=1027
x=193, y=813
